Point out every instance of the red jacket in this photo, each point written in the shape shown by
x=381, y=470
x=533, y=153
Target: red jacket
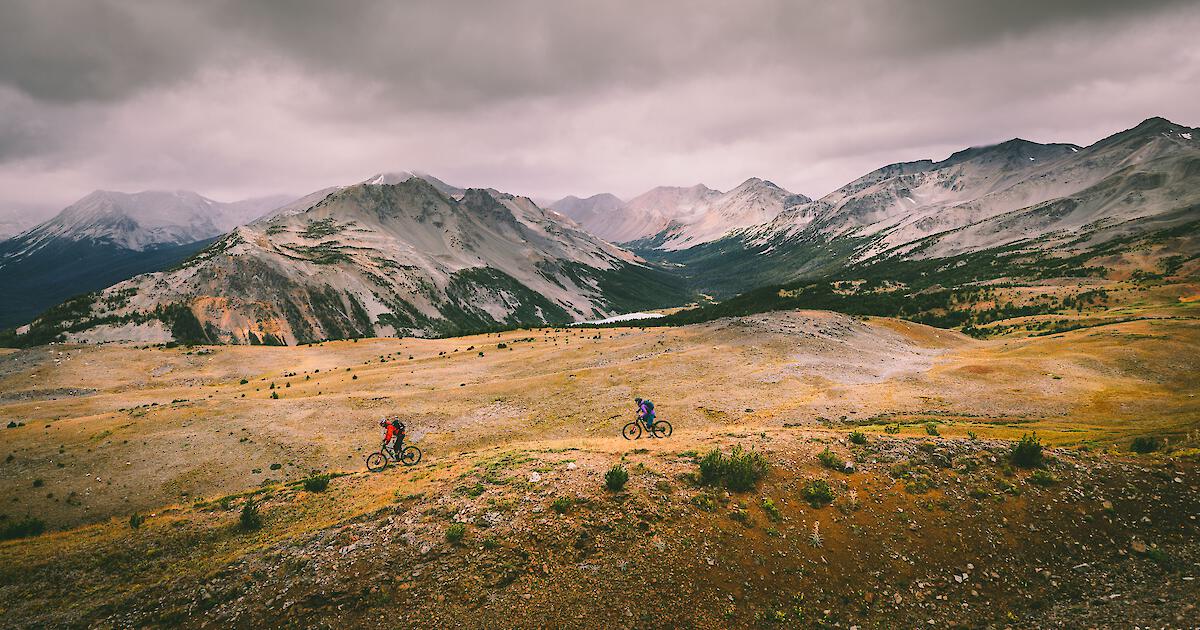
x=391, y=432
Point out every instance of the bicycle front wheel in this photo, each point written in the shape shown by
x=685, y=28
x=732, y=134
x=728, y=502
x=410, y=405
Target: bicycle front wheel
x=376, y=461
x=410, y=455
x=662, y=428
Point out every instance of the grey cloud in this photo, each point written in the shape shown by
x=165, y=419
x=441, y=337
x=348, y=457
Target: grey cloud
x=64, y=51
x=240, y=98
x=448, y=54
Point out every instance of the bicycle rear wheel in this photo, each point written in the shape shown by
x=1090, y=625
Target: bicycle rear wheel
x=410, y=455
x=376, y=461
x=632, y=431
x=662, y=428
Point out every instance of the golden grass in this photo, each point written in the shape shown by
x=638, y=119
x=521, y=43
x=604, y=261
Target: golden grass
x=1105, y=385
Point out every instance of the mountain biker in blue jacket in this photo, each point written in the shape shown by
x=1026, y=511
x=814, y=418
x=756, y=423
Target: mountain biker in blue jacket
x=646, y=414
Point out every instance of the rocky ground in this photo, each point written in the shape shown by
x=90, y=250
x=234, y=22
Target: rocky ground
x=923, y=531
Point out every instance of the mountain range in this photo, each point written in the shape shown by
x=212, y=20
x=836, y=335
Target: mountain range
x=107, y=237
x=408, y=254
x=378, y=258
x=674, y=218
x=1018, y=206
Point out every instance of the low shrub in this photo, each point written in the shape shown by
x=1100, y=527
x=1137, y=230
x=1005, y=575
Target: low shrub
x=250, y=519
x=1027, y=453
x=711, y=467
x=1145, y=444
x=931, y=429
x=455, y=533
x=891, y=429
x=858, y=437
x=317, y=483
x=136, y=520
x=562, y=505
x=739, y=471
x=830, y=460
x=615, y=478
x=24, y=528
x=817, y=492
x=743, y=469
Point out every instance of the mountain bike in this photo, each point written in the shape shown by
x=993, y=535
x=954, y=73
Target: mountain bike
x=633, y=430
x=408, y=456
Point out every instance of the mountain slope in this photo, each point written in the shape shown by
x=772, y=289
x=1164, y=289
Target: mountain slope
x=107, y=237
x=595, y=213
x=700, y=215
x=673, y=217
x=381, y=259
x=1005, y=200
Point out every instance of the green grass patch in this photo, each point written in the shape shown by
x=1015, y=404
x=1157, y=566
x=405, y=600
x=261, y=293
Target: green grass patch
x=455, y=533
x=317, y=483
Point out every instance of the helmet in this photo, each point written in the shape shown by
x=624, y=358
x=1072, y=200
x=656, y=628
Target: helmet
x=637, y=400
x=383, y=422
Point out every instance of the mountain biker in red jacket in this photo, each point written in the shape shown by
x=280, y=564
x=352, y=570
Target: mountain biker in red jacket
x=393, y=435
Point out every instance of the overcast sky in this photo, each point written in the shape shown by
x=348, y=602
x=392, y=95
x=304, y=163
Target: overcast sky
x=242, y=98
